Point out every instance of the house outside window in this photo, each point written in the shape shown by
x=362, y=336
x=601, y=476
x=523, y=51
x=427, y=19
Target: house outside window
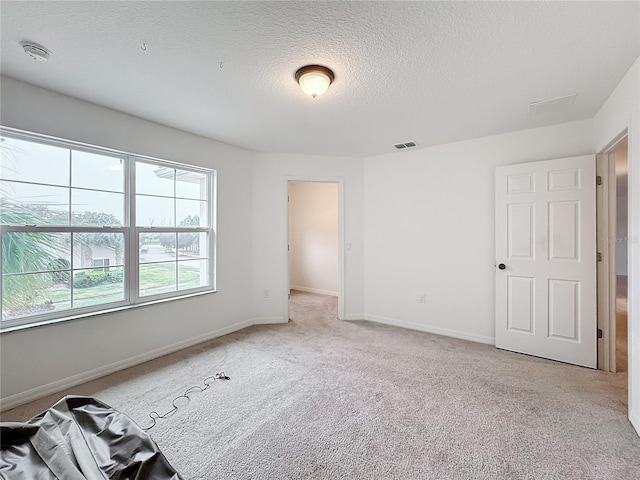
x=101, y=262
x=86, y=229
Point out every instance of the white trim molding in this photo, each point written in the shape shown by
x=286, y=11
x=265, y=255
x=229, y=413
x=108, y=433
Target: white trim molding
x=431, y=329
x=634, y=418
x=314, y=290
x=268, y=320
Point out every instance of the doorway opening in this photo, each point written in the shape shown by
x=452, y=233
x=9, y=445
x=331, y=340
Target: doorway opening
x=613, y=264
x=621, y=263
x=314, y=233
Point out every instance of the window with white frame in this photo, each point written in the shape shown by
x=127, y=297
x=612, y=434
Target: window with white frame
x=85, y=229
x=101, y=262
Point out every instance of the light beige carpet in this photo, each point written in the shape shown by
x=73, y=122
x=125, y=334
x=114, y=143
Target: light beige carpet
x=320, y=398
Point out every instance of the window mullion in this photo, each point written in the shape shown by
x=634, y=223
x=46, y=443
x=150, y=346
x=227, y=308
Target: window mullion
x=70, y=215
x=214, y=241
x=177, y=264
x=71, y=263
x=133, y=254
x=175, y=205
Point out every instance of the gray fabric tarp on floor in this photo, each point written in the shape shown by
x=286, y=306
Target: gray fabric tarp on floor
x=80, y=438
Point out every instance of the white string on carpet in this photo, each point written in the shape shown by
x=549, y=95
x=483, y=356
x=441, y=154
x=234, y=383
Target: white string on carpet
x=208, y=381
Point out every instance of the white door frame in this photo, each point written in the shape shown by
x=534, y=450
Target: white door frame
x=340, y=182
x=606, y=230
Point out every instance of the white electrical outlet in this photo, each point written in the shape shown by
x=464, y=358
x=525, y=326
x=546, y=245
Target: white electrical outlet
x=266, y=294
x=423, y=299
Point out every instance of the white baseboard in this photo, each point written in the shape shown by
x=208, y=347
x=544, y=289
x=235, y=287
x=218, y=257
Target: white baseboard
x=354, y=316
x=634, y=418
x=42, y=391
x=313, y=290
x=268, y=320
x=430, y=329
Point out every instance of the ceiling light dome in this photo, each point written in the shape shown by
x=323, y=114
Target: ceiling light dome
x=314, y=80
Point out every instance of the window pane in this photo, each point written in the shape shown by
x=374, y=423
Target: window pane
x=201, y=249
x=192, y=245
x=24, y=252
x=193, y=274
x=100, y=172
x=34, y=162
x=89, y=247
x=96, y=286
x=149, y=246
x=33, y=294
x=191, y=185
x=97, y=208
x=154, y=180
x=191, y=213
x=157, y=247
x=157, y=278
x=26, y=204
x=154, y=211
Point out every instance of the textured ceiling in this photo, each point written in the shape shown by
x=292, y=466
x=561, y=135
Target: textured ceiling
x=430, y=72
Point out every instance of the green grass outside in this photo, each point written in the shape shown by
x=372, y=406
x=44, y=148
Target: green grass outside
x=154, y=279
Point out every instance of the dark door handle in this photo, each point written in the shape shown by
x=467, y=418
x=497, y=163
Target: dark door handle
x=502, y=266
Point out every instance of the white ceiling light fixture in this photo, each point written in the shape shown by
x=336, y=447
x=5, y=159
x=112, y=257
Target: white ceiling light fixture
x=314, y=80
x=35, y=51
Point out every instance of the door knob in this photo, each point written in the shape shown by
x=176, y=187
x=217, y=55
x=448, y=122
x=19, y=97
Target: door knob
x=502, y=266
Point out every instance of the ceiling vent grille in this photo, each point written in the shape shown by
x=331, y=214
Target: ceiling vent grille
x=551, y=105
x=400, y=146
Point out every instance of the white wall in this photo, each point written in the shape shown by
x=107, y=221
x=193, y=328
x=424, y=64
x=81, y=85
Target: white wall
x=271, y=172
x=34, y=359
x=622, y=111
x=429, y=228
x=313, y=237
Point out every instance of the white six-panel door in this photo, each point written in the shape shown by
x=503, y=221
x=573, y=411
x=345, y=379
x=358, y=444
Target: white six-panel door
x=546, y=259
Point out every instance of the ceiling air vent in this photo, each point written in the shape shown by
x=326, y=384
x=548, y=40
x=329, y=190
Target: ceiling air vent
x=551, y=105
x=400, y=146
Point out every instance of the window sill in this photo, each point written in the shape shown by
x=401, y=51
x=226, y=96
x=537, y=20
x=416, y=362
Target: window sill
x=16, y=328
